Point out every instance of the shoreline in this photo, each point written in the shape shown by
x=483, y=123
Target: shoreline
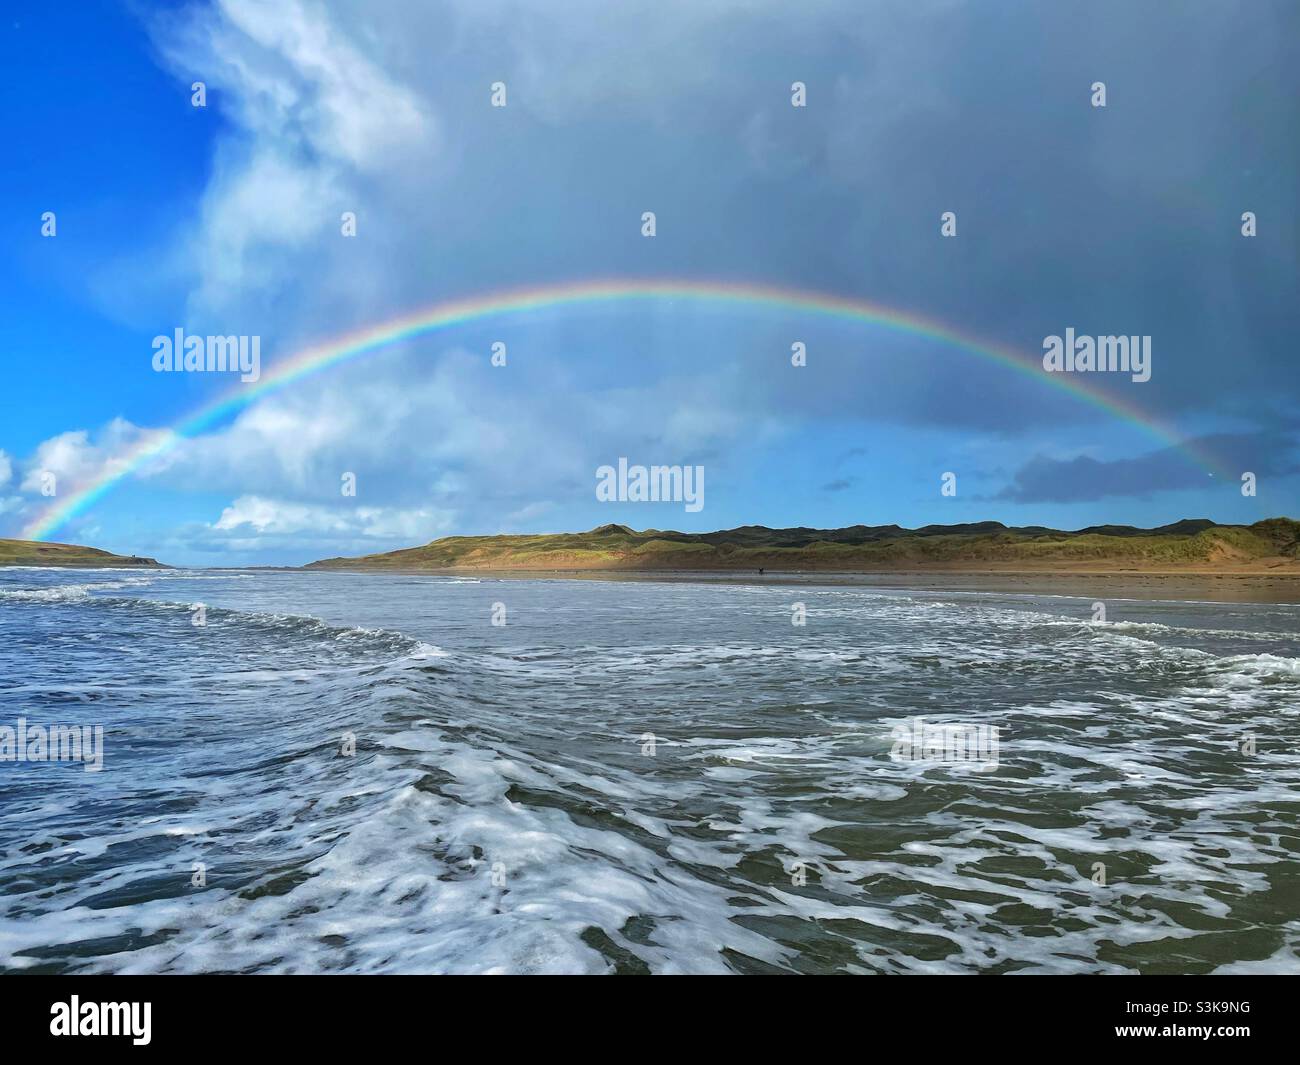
x=93, y=564
x=1241, y=586
x=1247, y=584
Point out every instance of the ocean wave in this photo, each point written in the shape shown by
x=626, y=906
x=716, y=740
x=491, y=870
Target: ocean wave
x=61, y=593
x=1259, y=667
x=701, y=787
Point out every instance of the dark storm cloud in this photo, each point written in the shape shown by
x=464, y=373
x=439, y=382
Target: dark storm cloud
x=1123, y=219
x=1086, y=479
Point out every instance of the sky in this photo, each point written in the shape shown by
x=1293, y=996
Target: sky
x=227, y=219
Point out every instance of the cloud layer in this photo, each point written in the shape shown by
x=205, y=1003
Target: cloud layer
x=1116, y=220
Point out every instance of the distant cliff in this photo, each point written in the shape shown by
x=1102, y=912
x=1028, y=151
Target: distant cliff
x=35, y=553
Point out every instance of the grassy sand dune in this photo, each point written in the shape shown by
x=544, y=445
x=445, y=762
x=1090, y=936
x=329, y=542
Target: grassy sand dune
x=1196, y=545
x=35, y=553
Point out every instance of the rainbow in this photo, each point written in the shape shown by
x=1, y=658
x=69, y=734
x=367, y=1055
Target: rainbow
x=453, y=313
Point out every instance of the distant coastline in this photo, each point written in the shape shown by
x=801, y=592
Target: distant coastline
x=988, y=555
x=39, y=553
x=1193, y=547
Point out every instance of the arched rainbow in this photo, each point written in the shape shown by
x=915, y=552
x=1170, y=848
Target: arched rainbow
x=457, y=312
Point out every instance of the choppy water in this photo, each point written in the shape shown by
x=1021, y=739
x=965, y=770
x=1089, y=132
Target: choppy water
x=506, y=810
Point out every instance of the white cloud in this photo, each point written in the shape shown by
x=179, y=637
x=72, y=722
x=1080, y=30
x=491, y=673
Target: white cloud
x=76, y=459
x=295, y=78
x=6, y=469
x=436, y=443
x=317, y=123
x=456, y=434
x=343, y=103
x=281, y=517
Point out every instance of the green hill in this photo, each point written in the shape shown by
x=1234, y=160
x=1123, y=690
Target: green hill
x=1189, y=544
x=35, y=553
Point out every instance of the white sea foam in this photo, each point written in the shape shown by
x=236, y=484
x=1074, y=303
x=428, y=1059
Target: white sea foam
x=503, y=812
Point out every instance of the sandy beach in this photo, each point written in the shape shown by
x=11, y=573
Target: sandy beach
x=1243, y=586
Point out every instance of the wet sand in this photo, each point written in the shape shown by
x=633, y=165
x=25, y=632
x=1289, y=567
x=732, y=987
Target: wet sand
x=1242, y=586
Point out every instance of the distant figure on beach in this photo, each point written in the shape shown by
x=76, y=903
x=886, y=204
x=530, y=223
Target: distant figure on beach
x=760, y=571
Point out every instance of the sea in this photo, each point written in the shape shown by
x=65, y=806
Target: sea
x=305, y=772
